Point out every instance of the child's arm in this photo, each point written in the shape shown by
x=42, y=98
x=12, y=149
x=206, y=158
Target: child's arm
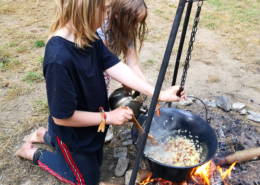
x=132, y=62
x=118, y=116
x=123, y=74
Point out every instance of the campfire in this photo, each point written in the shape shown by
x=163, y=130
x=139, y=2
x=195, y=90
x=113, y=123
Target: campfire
x=207, y=174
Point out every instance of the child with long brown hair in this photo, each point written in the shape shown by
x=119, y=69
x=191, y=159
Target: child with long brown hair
x=73, y=66
x=126, y=25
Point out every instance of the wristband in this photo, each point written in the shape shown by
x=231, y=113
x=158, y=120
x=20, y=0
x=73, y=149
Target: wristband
x=103, y=120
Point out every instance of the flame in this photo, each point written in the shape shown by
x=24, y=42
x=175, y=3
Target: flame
x=202, y=171
x=201, y=175
x=227, y=173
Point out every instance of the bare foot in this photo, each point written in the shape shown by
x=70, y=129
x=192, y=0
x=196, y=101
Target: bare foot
x=26, y=151
x=36, y=136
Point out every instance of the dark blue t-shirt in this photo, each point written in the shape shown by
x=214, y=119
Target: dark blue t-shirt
x=75, y=81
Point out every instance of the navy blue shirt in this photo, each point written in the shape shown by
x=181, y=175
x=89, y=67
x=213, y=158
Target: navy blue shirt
x=75, y=81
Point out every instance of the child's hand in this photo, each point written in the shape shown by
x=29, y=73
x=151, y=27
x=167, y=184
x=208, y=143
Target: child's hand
x=119, y=116
x=170, y=94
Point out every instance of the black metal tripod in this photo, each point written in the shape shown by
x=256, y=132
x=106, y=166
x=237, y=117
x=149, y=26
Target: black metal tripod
x=163, y=69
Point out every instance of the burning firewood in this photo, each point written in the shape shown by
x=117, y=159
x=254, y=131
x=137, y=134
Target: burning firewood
x=241, y=156
x=215, y=176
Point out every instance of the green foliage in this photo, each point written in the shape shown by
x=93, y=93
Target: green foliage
x=40, y=59
x=16, y=62
x=33, y=77
x=21, y=49
x=41, y=106
x=13, y=44
x=172, y=5
x=157, y=11
x=151, y=61
x=4, y=64
x=39, y=43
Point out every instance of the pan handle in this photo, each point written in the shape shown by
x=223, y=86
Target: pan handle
x=207, y=119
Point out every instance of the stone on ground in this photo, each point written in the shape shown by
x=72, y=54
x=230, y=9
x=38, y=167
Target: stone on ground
x=141, y=175
x=110, y=134
x=115, y=143
x=120, y=152
x=223, y=103
x=253, y=116
x=125, y=134
x=212, y=104
x=238, y=106
x=121, y=166
x=185, y=102
x=127, y=142
x=242, y=112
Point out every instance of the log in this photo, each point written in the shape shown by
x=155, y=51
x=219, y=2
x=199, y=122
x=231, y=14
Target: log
x=240, y=156
x=107, y=183
x=215, y=176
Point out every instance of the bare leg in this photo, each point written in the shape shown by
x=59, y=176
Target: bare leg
x=36, y=136
x=26, y=151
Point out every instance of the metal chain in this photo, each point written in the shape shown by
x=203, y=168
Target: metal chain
x=192, y=39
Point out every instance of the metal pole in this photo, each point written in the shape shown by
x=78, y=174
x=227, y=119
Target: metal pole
x=184, y=30
x=158, y=86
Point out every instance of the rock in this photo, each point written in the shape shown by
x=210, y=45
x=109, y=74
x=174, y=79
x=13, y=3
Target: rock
x=125, y=134
x=205, y=101
x=121, y=166
x=141, y=175
x=221, y=133
x=242, y=112
x=238, y=106
x=128, y=176
x=223, y=103
x=115, y=143
x=193, y=99
x=120, y=152
x=253, y=116
x=185, y=102
x=127, y=142
x=110, y=134
x=212, y=104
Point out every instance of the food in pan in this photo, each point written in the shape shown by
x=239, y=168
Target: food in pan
x=179, y=151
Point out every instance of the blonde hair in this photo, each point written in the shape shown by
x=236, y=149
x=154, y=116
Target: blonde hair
x=121, y=33
x=82, y=17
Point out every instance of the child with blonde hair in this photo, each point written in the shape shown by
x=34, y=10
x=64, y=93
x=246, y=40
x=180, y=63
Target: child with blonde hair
x=73, y=66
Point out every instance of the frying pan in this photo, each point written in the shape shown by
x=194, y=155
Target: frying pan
x=184, y=120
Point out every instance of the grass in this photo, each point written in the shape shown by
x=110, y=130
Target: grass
x=21, y=49
x=32, y=76
x=151, y=61
x=6, y=64
x=40, y=59
x=213, y=79
x=41, y=106
x=39, y=43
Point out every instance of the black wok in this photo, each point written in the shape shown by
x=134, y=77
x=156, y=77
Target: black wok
x=178, y=119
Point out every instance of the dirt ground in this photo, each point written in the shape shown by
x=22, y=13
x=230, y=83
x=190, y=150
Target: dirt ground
x=225, y=61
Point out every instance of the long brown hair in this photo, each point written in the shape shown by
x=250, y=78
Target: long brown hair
x=121, y=33
x=82, y=16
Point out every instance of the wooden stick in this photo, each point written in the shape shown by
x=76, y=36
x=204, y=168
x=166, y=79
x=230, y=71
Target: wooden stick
x=138, y=126
x=215, y=176
x=241, y=156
